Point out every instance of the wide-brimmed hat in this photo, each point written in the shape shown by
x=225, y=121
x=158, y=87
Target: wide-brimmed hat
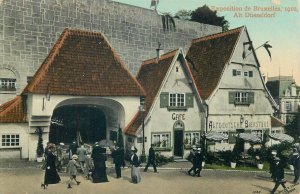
x=75, y=157
x=132, y=148
x=274, y=152
x=61, y=143
x=295, y=154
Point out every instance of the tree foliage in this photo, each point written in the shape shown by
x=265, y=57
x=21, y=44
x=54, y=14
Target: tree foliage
x=207, y=16
x=203, y=15
x=293, y=128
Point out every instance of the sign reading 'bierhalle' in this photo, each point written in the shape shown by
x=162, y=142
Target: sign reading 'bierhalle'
x=238, y=125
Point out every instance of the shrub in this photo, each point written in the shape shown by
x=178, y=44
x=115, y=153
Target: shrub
x=161, y=159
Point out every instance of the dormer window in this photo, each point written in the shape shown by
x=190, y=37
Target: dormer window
x=236, y=72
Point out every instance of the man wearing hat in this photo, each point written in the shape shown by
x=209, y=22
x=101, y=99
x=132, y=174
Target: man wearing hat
x=191, y=158
x=72, y=170
x=278, y=175
x=151, y=159
x=296, y=164
x=118, y=159
x=198, y=158
x=135, y=171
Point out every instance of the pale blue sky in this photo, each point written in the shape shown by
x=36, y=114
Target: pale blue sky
x=283, y=30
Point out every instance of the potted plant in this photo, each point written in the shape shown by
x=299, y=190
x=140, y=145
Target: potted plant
x=259, y=162
x=233, y=159
x=40, y=147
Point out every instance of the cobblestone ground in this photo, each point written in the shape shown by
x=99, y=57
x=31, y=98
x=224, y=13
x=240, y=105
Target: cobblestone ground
x=28, y=180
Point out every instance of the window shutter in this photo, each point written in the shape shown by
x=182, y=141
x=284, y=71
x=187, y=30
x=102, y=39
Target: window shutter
x=231, y=137
x=164, y=99
x=189, y=100
x=234, y=72
x=231, y=97
x=250, y=73
x=251, y=97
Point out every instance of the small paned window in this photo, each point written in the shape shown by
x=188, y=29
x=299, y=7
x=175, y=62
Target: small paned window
x=250, y=73
x=10, y=140
x=177, y=100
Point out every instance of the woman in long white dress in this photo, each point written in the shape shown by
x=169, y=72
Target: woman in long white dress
x=135, y=171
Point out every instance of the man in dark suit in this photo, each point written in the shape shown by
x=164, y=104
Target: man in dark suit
x=278, y=175
x=151, y=159
x=296, y=165
x=118, y=159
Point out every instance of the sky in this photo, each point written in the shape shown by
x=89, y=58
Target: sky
x=281, y=28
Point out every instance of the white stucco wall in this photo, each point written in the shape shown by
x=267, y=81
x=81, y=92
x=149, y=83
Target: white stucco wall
x=162, y=119
x=15, y=128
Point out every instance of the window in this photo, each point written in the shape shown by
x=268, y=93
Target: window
x=258, y=133
x=10, y=140
x=236, y=72
x=7, y=84
x=241, y=97
x=225, y=133
x=246, y=73
x=191, y=138
x=161, y=140
x=140, y=139
x=177, y=100
x=288, y=106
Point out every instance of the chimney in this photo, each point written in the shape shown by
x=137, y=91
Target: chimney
x=159, y=51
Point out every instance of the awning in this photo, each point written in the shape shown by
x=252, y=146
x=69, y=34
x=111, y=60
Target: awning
x=214, y=136
x=282, y=137
x=250, y=137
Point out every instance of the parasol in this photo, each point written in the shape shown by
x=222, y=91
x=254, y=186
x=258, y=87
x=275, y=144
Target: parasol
x=281, y=137
x=250, y=137
x=214, y=136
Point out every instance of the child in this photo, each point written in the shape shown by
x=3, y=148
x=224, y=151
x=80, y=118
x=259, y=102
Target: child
x=72, y=170
x=89, y=166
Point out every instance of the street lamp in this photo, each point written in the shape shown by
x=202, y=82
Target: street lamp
x=142, y=109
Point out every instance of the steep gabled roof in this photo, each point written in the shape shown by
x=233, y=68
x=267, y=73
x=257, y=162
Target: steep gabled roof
x=13, y=111
x=83, y=63
x=207, y=57
x=151, y=76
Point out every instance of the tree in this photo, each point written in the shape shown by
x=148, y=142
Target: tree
x=183, y=14
x=40, y=147
x=293, y=128
x=207, y=16
x=120, y=140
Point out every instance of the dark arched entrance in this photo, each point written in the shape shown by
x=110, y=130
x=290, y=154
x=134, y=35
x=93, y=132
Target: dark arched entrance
x=69, y=121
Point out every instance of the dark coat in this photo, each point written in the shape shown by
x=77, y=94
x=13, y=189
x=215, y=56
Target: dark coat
x=51, y=175
x=135, y=160
x=296, y=164
x=278, y=174
x=197, y=160
x=118, y=157
x=151, y=157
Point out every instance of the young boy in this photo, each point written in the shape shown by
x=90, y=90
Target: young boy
x=72, y=170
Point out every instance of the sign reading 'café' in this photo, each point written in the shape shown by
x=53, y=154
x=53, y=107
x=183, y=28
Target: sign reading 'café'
x=238, y=125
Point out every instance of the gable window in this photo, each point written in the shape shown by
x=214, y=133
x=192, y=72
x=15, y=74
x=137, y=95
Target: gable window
x=236, y=72
x=246, y=73
x=7, y=84
x=177, y=100
x=10, y=140
x=288, y=106
x=241, y=98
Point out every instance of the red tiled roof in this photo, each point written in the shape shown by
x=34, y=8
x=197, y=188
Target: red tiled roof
x=207, y=57
x=276, y=122
x=13, y=111
x=151, y=76
x=83, y=63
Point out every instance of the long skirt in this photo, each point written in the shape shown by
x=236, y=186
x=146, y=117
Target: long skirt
x=99, y=173
x=135, y=174
x=51, y=176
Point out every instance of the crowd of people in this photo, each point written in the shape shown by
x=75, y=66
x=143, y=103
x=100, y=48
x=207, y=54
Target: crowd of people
x=91, y=163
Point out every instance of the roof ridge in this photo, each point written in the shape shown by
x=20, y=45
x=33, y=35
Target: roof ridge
x=163, y=56
x=218, y=35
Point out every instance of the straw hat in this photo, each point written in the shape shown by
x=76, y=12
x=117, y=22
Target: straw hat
x=75, y=157
x=274, y=152
x=62, y=144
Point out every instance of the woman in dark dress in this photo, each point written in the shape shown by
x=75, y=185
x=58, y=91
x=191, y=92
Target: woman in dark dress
x=51, y=175
x=99, y=158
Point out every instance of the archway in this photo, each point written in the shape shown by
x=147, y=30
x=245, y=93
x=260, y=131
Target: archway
x=89, y=122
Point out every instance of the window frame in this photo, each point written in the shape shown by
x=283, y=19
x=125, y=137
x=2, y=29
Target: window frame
x=177, y=100
x=8, y=84
x=161, y=138
x=241, y=98
x=12, y=140
x=190, y=139
x=288, y=106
